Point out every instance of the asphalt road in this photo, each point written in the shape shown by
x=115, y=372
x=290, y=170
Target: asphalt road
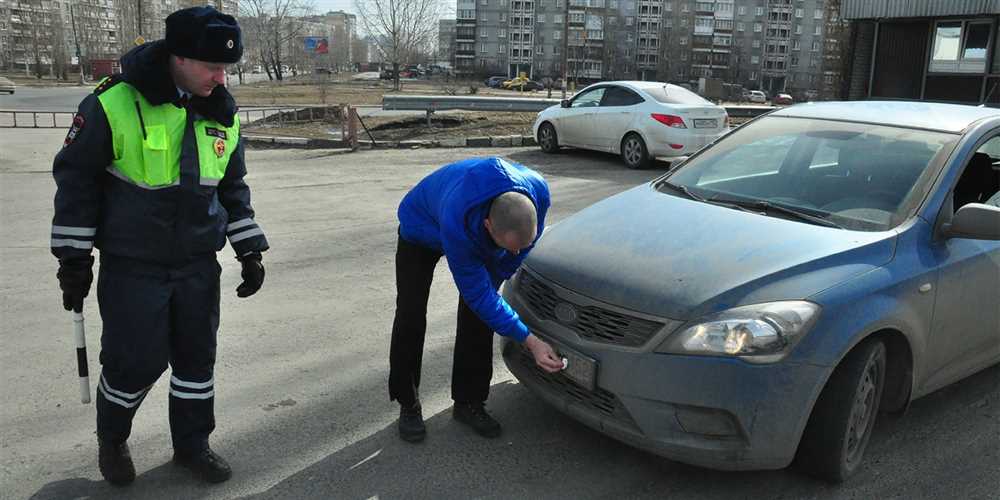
x=301, y=403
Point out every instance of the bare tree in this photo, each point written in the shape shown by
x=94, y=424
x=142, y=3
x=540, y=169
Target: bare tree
x=400, y=28
x=271, y=26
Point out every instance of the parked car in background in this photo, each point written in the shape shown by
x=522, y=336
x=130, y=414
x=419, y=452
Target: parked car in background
x=783, y=99
x=756, y=96
x=765, y=300
x=7, y=86
x=638, y=120
x=495, y=81
x=522, y=83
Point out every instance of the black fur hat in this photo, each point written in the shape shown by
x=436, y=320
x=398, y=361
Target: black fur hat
x=205, y=34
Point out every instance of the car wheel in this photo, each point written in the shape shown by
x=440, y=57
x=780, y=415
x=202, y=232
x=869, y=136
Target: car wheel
x=634, y=152
x=548, y=140
x=836, y=436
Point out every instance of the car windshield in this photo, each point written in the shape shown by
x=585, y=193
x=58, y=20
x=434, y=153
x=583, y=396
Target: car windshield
x=672, y=94
x=857, y=176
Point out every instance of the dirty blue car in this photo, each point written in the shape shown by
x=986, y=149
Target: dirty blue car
x=761, y=303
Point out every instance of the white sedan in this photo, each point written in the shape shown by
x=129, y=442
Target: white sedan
x=638, y=120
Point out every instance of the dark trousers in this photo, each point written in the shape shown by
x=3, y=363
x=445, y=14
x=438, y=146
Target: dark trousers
x=155, y=315
x=473, y=364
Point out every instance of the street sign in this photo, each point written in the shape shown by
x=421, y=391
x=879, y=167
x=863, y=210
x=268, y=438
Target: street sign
x=139, y=40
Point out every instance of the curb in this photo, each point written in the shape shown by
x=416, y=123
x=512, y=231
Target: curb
x=505, y=141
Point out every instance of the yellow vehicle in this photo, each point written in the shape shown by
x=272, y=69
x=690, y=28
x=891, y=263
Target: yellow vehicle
x=521, y=83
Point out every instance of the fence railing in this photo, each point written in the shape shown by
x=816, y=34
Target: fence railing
x=11, y=118
x=279, y=115
x=432, y=103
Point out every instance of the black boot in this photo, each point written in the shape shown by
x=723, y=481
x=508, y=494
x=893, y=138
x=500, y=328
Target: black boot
x=206, y=464
x=474, y=415
x=115, y=462
x=411, y=423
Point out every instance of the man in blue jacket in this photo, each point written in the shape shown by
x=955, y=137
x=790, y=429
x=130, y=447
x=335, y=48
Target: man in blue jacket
x=484, y=215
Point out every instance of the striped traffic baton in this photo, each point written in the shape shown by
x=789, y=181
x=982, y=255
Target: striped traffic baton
x=79, y=333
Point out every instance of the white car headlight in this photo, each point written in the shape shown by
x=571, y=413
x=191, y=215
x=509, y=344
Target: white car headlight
x=759, y=333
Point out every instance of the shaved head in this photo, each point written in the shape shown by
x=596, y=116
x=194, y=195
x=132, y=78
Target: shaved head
x=513, y=221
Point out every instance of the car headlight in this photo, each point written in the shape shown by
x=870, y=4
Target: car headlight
x=759, y=333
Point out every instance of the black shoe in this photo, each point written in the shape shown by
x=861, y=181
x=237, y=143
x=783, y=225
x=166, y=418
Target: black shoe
x=474, y=415
x=411, y=423
x=115, y=462
x=206, y=464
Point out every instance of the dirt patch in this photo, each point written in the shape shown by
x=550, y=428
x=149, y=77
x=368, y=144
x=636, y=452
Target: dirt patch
x=407, y=128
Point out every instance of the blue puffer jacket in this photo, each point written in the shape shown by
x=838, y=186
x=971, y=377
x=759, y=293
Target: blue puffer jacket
x=445, y=212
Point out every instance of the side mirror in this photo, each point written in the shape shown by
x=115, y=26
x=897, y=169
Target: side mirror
x=564, y=103
x=975, y=221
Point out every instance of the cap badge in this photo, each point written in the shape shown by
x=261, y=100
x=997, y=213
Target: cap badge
x=229, y=44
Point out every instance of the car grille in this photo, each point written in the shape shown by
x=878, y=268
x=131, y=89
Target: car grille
x=592, y=323
x=599, y=399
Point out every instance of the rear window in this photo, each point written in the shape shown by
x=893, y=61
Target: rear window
x=672, y=94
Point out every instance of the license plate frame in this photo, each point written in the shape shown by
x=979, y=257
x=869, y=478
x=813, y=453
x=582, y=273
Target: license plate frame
x=580, y=369
x=706, y=123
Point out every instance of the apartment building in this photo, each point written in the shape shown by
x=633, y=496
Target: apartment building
x=446, y=41
x=774, y=45
x=45, y=34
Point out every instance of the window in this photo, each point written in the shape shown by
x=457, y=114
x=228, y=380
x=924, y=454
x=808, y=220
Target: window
x=684, y=7
x=754, y=60
x=620, y=96
x=628, y=21
x=557, y=18
x=589, y=99
x=503, y=17
x=817, y=30
x=753, y=76
x=795, y=44
x=483, y=2
x=502, y=33
x=541, y=18
x=668, y=7
x=501, y=49
x=742, y=10
x=760, y=11
x=740, y=27
x=799, y=13
x=557, y=35
x=815, y=46
x=757, y=27
x=798, y=29
x=684, y=40
x=483, y=33
x=540, y=49
x=756, y=44
x=482, y=48
x=818, y=14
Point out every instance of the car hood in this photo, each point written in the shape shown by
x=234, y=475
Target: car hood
x=672, y=257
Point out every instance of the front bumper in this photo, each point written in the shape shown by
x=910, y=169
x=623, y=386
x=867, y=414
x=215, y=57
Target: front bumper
x=714, y=412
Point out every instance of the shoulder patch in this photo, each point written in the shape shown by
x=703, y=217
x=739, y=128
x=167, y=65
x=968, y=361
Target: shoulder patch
x=107, y=83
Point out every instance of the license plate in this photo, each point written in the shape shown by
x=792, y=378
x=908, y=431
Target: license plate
x=705, y=123
x=580, y=369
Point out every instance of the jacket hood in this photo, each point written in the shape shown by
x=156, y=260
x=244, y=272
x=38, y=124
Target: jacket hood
x=676, y=258
x=146, y=68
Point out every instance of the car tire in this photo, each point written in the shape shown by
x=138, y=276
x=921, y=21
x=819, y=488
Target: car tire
x=548, y=139
x=833, y=444
x=634, y=152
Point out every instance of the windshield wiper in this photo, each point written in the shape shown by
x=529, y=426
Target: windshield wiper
x=767, y=207
x=686, y=191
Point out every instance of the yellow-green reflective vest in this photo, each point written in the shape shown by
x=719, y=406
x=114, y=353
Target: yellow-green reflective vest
x=148, y=139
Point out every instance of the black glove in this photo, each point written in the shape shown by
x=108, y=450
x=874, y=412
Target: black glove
x=75, y=276
x=253, y=275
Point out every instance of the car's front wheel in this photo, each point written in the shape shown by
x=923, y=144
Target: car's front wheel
x=634, y=152
x=548, y=140
x=836, y=436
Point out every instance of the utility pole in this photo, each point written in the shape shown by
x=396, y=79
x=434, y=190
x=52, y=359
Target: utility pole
x=565, y=49
x=76, y=41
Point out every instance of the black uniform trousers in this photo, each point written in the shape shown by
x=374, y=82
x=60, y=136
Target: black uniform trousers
x=473, y=361
x=153, y=315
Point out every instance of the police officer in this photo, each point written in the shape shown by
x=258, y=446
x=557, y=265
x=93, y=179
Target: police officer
x=484, y=215
x=151, y=173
